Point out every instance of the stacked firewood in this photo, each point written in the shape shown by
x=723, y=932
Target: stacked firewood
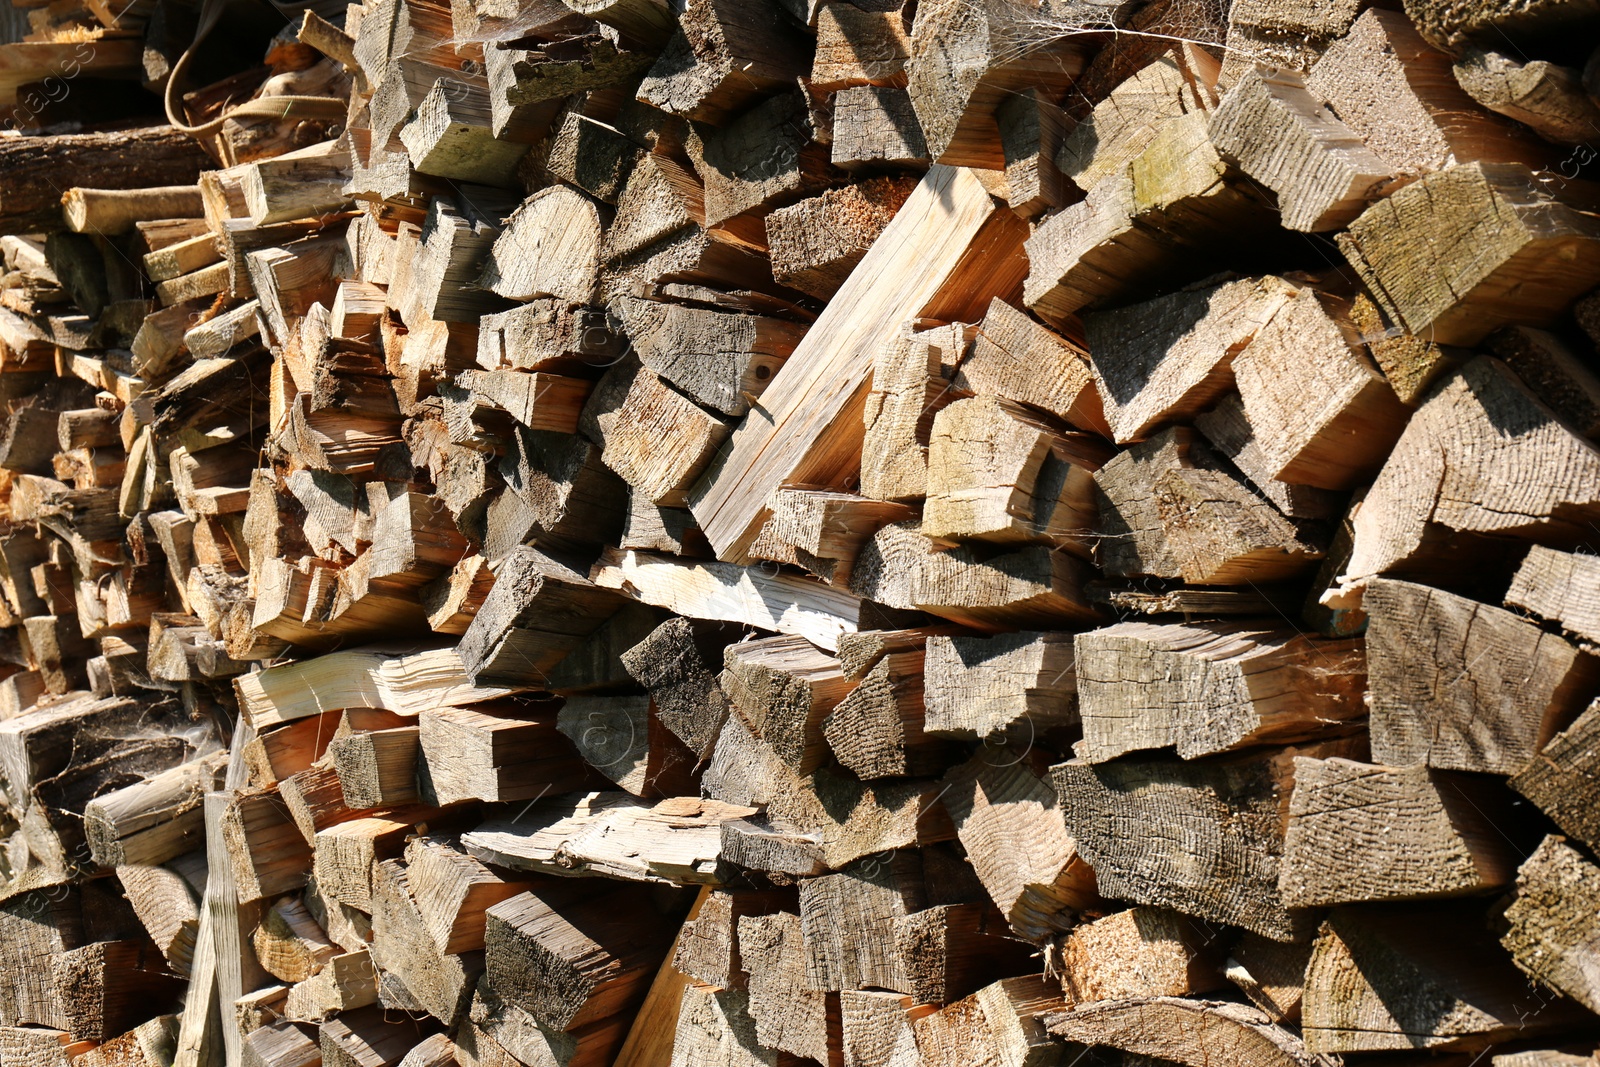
x=876, y=534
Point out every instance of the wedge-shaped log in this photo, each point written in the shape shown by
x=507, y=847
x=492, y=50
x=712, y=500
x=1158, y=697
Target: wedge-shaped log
x=907, y=393
x=720, y=60
x=377, y=768
x=1232, y=685
x=570, y=956
x=1485, y=694
x=1546, y=97
x=1311, y=349
x=848, y=923
x=816, y=243
x=762, y=159
x=438, y=983
x=620, y=735
x=1418, y=976
x=496, y=753
x=708, y=950
x=152, y=821
x=722, y=360
x=1277, y=131
x=1481, y=462
x=822, y=531
x=1553, y=923
x=878, y=729
x=789, y=1017
x=1561, y=780
x=1166, y=358
x=875, y=127
x=1143, y=825
x=550, y=247
x=998, y=473
x=715, y=1028
x=1019, y=685
x=538, y=611
x=655, y=438
x=1009, y=822
x=1190, y=1032
x=785, y=687
x=1440, y=293
x=1168, y=509
x=965, y=60
x=728, y=593
x=1558, y=587
x=679, y=663
x=1015, y=357
x=1002, y=1023
x=1428, y=833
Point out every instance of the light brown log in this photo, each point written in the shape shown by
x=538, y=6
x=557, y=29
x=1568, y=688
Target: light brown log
x=1559, y=780
x=1485, y=694
x=1141, y=952
x=719, y=62
x=1552, y=927
x=493, y=754
x=785, y=687
x=1190, y=1032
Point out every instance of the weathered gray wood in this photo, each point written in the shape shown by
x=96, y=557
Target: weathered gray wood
x=1552, y=921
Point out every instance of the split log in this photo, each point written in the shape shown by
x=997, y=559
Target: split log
x=722, y=361
x=878, y=729
x=1141, y=952
x=1552, y=920
x=1010, y=825
x=785, y=687
x=550, y=247
x=1399, y=977
x=788, y=1016
x=1226, y=812
x=621, y=736
x=727, y=593
x=129, y=159
x=1553, y=372
x=1192, y=1032
x=574, y=958
x=1559, y=779
x=1271, y=973
x=1272, y=127
x=1019, y=685
x=816, y=243
x=1449, y=480
x=1234, y=685
x=152, y=821
x=848, y=921
x=719, y=62
x=821, y=443
x=1229, y=432
x=762, y=159
x=377, y=768
x=1486, y=694
x=1546, y=97
x=496, y=754
x=1015, y=357
x=876, y=1029
x=822, y=531
x=679, y=662
x=998, y=473
x=1430, y=834
x=709, y=949
x=907, y=392
x=406, y=957
x=876, y=127
x=1459, y=299
x=658, y=440
x=1001, y=1023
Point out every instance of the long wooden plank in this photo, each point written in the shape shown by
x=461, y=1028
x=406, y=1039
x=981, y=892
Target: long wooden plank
x=949, y=250
x=727, y=592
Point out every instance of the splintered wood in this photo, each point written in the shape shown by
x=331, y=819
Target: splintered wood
x=957, y=533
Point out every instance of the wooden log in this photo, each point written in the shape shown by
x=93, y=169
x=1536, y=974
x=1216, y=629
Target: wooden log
x=537, y=612
x=1179, y=1030
x=110, y=212
x=589, y=154
x=1015, y=685
x=1382, y=76
x=1140, y=952
x=620, y=736
x=1010, y=825
x=452, y=136
x=1166, y=358
x=658, y=440
x=1552, y=372
x=108, y=987
x=857, y=47
x=818, y=442
x=876, y=1029
x=674, y=841
x=998, y=473
x=366, y=1038
x=1460, y=704
x=1433, y=834
x=907, y=392
x=1111, y=810
x=1271, y=973
x=167, y=901
x=548, y=334
x=1459, y=299
x=788, y=1016
x=1345, y=442
x=1551, y=920
x=1003, y=1023
x=878, y=729
x=496, y=754
x=398, y=678
x=726, y=593
x=762, y=159
x=377, y=768
x=1478, y=433
x=1558, y=779
x=1016, y=358
x=1272, y=127
x=876, y=127
x=709, y=948
x=304, y=183
x=574, y=958
x=1364, y=957
x=1546, y=97
x=290, y=944
x=129, y=159
x=964, y=62
x=822, y=531
x=268, y=854
x=1228, y=430
x=152, y=821
x=723, y=361
x=785, y=687
x=438, y=983
x=1234, y=685
x=718, y=1031
x=452, y=891
x=679, y=662
x=814, y=244
x=951, y=950
x=718, y=63
x=1176, y=206
x=848, y=922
